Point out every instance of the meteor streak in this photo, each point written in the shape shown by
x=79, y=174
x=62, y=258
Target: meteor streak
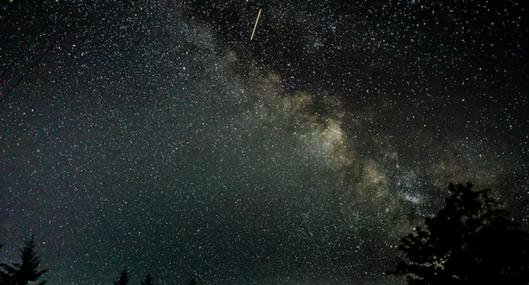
x=255, y=25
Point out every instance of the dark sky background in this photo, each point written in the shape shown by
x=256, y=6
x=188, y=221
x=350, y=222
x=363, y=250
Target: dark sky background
x=155, y=135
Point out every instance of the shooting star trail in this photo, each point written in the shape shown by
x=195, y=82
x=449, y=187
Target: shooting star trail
x=255, y=25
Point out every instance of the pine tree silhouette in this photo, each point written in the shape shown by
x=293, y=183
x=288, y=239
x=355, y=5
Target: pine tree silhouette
x=193, y=281
x=25, y=272
x=123, y=278
x=470, y=241
x=148, y=280
x=4, y=276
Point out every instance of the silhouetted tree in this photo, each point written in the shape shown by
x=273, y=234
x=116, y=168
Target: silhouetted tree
x=123, y=278
x=193, y=281
x=4, y=277
x=470, y=241
x=148, y=280
x=25, y=272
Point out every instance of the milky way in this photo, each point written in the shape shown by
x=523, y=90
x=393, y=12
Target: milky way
x=156, y=136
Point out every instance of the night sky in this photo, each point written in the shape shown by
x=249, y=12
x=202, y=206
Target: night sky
x=155, y=135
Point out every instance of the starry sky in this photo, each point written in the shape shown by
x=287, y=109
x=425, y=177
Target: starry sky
x=156, y=135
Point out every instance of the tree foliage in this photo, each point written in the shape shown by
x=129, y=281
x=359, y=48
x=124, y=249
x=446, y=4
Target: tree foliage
x=148, y=280
x=193, y=281
x=470, y=241
x=25, y=272
x=123, y=278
